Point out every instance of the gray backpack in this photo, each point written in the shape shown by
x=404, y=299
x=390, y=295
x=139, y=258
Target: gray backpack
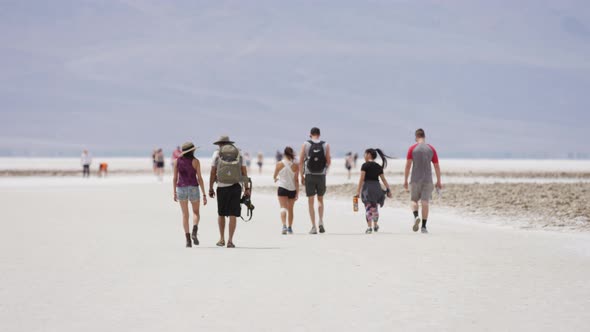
x=229, y=166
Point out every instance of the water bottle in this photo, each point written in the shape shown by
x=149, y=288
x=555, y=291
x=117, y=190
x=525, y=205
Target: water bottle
x=355, y=203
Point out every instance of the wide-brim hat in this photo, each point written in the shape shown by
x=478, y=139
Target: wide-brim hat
x=223, y=140
x=188, y=147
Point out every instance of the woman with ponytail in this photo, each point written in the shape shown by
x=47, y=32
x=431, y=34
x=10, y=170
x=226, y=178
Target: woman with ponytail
x=287, y=176
x=369, y=188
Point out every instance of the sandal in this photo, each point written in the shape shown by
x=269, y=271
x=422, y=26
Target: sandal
x=221, y=243
x=230, y=245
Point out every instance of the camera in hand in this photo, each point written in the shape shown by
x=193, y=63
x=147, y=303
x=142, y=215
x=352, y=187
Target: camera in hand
x=247, y=202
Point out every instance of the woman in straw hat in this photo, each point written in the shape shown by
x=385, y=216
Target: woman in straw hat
x=187, y=181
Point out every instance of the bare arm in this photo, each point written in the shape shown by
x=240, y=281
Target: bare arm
x=328, y=156
x=246, y=184
x=361, y=182
x=197, y=166
x=296, y=171
x=175, y=181
x=389, y=194
x=438, y=179
x=212, y=178
x=407, y=173
x=278, y=168
x=302, y=164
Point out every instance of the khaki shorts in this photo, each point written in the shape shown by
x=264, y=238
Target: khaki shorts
x=421, y=191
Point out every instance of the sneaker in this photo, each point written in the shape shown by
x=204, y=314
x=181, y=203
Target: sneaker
x=290, y=230
x=376, y=228
x=424, y=230
x=369, y=230
x=322, y=230
x=417, y=222
x=194, y=235
x=284, y=232
x=313, y=230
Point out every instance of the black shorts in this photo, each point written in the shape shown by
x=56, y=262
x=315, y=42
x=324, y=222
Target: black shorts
x=282, y=192
x=228, y=201
x=315, y=184
x=160, y=164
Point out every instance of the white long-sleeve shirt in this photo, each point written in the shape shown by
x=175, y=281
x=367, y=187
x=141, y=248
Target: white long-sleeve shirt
x=86, y=159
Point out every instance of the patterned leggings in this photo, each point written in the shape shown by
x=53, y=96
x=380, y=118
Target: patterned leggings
x=372, y=212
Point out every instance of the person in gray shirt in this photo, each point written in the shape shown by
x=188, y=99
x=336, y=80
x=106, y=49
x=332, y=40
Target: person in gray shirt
x=314, y=162
x=420, y=158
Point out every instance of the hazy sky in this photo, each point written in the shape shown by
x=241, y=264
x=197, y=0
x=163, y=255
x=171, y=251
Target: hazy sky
x=482, y=77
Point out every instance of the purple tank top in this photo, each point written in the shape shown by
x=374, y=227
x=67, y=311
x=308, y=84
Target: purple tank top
x=187, y=175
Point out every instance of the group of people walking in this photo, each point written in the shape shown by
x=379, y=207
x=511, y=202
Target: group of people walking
x=230, y=172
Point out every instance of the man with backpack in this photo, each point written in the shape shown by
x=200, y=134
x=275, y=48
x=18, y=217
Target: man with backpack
x=229, y=171
x=314, y=162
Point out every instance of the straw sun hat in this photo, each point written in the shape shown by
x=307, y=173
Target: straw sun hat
x=223, y=140
x=188, y=147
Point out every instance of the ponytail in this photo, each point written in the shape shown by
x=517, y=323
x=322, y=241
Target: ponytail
x=383, y=156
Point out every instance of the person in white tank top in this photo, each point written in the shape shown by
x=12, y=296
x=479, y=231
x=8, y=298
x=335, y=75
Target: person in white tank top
x=286, y=175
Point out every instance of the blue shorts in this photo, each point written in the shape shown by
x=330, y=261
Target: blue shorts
x=188, y=193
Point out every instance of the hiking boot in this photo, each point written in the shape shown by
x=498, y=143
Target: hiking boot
x=417, y=222
x=376, y=228
x=188, y=240
x=322, y=230
x=313, y=230
x=284, y=232
x=290, y=230
x=369, y=230
x=424, y=230
x=194, y=235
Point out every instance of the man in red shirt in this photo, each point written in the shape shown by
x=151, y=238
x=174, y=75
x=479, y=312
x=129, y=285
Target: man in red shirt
x=421, y=157
x=175, y=155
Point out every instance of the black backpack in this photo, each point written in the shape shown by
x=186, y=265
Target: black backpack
x=316, y=158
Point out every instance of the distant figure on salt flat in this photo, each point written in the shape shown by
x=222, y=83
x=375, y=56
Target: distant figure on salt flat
x=86, y=161
x=287, y=176
x=103, y=170
x=348, y=161
x=175, y=155
x=160, y=164
x=248, y=160
x=369, y=189
x=420, y=158
x=278, y=156
x=260, y=162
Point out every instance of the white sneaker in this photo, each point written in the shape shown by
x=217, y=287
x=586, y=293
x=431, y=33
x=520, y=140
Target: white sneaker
x=417, y=222
x=313, y=230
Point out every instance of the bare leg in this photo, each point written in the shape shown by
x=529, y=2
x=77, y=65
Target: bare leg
x=311, y=203
x=291, y=209
x=414, y=206
x=196, y=212
x=321, y=209
x=284, y=203
x=185, y=213
x=425, y=210
x=221, y=222
x=232, y=228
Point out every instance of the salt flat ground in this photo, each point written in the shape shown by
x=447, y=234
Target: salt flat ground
x=111, y=257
